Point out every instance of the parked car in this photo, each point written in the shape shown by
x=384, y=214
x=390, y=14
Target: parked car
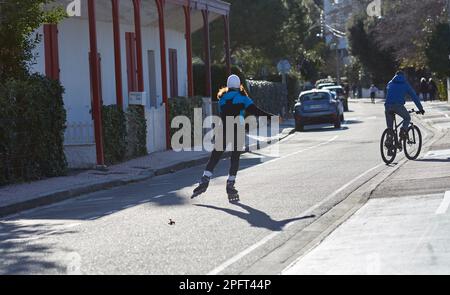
x=340, y=92
x=317, y=107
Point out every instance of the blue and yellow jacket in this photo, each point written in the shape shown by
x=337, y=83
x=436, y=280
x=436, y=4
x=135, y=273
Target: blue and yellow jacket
x=234, y=104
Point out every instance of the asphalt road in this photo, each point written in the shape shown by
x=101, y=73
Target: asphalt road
x=126, y=230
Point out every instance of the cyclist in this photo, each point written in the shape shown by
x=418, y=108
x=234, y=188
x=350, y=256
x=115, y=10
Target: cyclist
x=397, y=89
x=373, y=92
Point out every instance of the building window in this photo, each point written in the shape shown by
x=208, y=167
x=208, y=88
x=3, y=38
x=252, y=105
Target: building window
x=173, y=68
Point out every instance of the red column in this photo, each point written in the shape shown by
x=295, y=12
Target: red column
x=206, y=40
x=226, y=22
x=117, y=53
x=95, y=70
x=138, y=31
x=190, y=74
x=51, y=51
x=162, y=41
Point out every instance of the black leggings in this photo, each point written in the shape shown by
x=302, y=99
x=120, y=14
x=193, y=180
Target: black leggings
x=217, y=155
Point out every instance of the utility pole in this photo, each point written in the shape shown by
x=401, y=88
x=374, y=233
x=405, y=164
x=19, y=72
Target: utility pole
x=338, y=65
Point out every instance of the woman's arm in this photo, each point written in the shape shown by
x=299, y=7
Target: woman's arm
x=255, y=111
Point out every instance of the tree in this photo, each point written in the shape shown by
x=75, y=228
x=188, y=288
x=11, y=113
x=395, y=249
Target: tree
x=263, y=32
x=438, y=50
x=379, y=62
x=19, y=19
x=405, y=27
x=253, y=24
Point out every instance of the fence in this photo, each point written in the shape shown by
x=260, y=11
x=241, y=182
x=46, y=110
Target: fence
x=156, y=129
x=79, y=133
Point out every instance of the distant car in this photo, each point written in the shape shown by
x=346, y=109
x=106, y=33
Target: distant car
x=323, y=85
x=317, y=107
x=340, y=92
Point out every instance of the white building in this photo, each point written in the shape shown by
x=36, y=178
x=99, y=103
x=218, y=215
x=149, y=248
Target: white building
x=336, y=15
x=142, y=46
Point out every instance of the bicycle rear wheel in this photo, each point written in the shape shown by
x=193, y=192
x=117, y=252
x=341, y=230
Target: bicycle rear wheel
x=413, y=143
x=387, y=146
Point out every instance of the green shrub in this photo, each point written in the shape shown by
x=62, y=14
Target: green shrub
x=124, y=133
x=32, y=129
x=442, y=90
x=293, y=87
x=219, y=78
x=136, y=132
x=269, y=96
x=184, y=106
x=114, y=134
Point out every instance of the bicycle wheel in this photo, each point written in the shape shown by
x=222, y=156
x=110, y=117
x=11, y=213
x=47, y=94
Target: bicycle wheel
x=413, y=144
x=387, y=146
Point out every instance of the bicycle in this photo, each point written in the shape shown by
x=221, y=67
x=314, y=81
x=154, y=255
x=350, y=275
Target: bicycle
x=411, y=144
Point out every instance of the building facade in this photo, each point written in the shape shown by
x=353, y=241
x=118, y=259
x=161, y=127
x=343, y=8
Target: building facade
x=109, y=49
x=336, y=14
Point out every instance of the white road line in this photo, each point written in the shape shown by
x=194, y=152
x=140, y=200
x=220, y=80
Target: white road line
x=298, y=152
x=444, y=205
x=159, y=197
x=99, y=199
x=250, y=249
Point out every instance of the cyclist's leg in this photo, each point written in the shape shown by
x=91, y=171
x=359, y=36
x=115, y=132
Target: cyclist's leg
x=403, y=112
x=389, y=116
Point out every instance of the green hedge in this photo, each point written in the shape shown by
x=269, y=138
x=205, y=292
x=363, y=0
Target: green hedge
x=219, y=78
x=114, y=134
x=293, y=87
x=442, y=90
x=124, y=133
x=184, y=106
x=32, y=125
x=136, y=132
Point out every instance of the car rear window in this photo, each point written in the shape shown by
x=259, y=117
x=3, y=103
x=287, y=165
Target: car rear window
x=314, y=96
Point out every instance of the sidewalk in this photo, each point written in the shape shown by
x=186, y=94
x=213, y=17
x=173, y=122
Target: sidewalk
x=19, y=197
x=403, y=228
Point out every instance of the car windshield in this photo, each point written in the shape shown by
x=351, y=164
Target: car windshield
x=314, y=96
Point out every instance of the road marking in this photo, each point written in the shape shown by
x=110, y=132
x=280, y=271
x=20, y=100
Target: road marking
x=250, y=249
x=98, y=199
x=298, y=152
x=159, y=197
x=444, y=205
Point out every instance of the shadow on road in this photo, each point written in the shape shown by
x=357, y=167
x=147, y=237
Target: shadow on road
x=161, y=191
x=323, y=128
x=20, y=256
x=257, y=218
x=434, y=160
x=350, y=122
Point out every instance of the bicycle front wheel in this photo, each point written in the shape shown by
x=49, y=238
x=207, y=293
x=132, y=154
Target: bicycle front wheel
x=413, y=143
x=387, y=146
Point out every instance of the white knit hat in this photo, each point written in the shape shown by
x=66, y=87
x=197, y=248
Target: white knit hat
x=234, y=82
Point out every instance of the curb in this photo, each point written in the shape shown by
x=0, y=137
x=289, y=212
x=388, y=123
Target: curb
x=308, y=238
x=63, y=195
